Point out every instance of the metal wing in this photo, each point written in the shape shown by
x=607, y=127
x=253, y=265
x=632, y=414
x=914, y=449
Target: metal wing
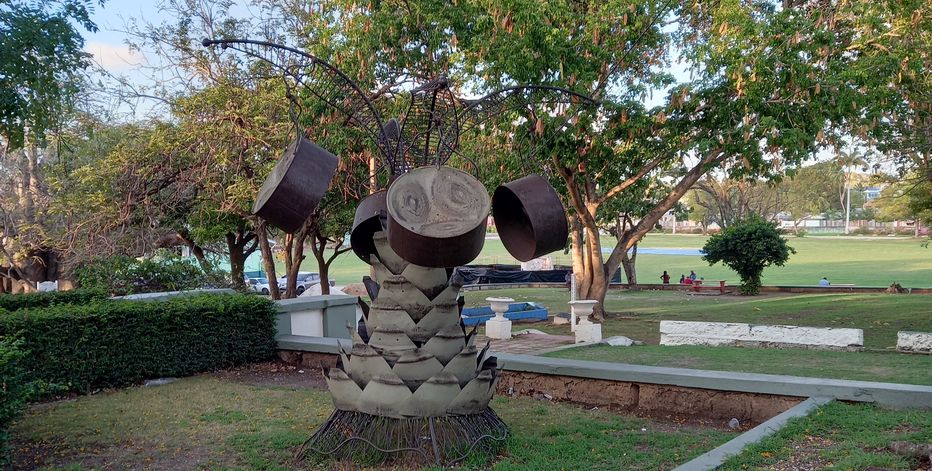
x=318, y=77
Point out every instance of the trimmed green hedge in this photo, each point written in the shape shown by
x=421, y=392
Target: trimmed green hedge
x=14, y=391
x=117, y=343
x=15, y=302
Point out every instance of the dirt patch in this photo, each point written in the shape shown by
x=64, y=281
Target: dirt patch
x=275, y=373
x=806, y=455
x=127, y=455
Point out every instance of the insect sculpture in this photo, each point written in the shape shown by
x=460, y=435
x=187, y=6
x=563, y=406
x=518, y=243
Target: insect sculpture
x=414, y=387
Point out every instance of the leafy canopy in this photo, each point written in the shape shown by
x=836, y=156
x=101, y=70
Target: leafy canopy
x=748, y=247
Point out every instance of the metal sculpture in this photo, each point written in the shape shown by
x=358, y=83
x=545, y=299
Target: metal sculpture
x=414, y=387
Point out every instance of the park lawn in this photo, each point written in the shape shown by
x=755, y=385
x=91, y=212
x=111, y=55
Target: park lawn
x=205, y=423
x=840, y=436
x=863, y=261
x=887, y=367
x=638, y=314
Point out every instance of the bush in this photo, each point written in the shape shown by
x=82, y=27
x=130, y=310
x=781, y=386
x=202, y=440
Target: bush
x=117, y=343
x=800, y=233
x=121, y=275
x=15, y=391
x=748, y=247
x=15, y=302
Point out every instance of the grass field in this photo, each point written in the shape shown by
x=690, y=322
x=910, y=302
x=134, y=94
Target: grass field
x=863, y=261
x=840, y=436
x=638, y=314
x=205, y=423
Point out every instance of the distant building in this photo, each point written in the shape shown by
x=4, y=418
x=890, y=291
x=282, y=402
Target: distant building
x=872, y=192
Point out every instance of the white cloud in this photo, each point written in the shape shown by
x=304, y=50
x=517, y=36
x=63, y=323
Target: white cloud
x=114, y=57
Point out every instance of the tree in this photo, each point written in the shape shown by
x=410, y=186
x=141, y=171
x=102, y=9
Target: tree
x=812, y=190
x=754, y=104
x=41, y=63
x=725, y=200
x=748, y=247
x=906, y=199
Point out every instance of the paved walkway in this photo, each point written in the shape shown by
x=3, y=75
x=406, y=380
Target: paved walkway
x=527, y=344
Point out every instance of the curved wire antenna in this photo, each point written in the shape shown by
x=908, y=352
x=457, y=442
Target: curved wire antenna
x=429, y=131
x=323, y=80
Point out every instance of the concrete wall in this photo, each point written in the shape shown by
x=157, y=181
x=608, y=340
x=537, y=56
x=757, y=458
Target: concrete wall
x=317, y=316
x=722, y=333
x=293, y=347
x=914, y=341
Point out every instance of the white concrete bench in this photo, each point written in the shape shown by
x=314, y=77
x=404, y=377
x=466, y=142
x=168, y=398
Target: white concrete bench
x=726, y=333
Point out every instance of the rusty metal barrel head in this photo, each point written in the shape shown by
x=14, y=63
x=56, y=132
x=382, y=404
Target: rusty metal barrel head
x=437, y=216
x=529, y=217
x=368, y=220
x=296, y=184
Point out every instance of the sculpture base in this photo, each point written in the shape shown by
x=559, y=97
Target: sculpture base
x=498, y=329
x=589, y=333
x=421, y=441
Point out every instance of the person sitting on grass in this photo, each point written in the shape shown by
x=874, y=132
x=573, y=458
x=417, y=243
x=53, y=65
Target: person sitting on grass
x=824, y=282
x=688, y=281
x=682, y=279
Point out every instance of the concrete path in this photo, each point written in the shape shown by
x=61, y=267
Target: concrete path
x=527, y=344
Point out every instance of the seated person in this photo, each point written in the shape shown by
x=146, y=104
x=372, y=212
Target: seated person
x=824, y=282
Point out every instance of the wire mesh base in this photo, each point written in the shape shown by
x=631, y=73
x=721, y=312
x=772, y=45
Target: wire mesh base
x=370, y=439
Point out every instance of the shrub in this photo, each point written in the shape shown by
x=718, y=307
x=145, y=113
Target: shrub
x=15, y=391
x=800, y=233
x=748, y=247
x=120, y=275
x=115, y=343
x=15, y=302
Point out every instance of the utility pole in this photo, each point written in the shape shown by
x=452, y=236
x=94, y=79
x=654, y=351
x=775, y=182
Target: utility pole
x=847, y=206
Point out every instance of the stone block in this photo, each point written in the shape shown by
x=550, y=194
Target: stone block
x=914, y=341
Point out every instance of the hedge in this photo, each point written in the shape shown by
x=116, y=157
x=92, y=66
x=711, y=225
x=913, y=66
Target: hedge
x=14, y=391
x=116, y=343
x=15, y=302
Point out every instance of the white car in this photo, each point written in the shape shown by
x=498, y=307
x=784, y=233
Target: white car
x=304, y=281
x=259, y=285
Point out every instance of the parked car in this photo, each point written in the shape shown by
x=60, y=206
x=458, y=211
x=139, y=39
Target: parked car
x=259, y=285
x=304, y=281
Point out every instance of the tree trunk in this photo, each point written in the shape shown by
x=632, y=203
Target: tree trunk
x=237, y=263
x=294, y=256
x=582, y=284
x=268, y=262
x=627, y=262
x=318, y=246
x=240, y=245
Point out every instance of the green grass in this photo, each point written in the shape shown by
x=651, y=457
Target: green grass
x=638, y=314
x=839, y=436
x=204, y=423
x=863, y=366
x=863, y=261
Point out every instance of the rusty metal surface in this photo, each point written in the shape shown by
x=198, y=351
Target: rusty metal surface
x=368, y=220
x=296, y=184
x=529, y=217
x=436, y=217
